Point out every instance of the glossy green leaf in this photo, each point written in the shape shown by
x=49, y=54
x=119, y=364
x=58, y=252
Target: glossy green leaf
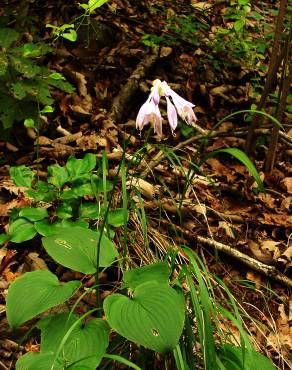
x=233, y=357
x=29, y=122
x=158, y=272
x=76, y=248
x=153, y=318
x=77, y=167
x=86, y=344
x=90, y=210
x=239, y=24
x=33, y=214
x=38, y=361
x=116, y=217
x=64, y=210
x=57, y=175
x=35, y=292
x=4, y=238
x=47, y=109
x=21, y=230
x=22, y=176
x=45, y=228
x=56, y=76
x=70, y=35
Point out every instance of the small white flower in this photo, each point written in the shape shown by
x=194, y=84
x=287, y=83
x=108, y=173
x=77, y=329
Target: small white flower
x=149, y=112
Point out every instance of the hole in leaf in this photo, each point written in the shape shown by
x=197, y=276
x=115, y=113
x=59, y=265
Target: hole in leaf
x=155, y=333
x=63, y=243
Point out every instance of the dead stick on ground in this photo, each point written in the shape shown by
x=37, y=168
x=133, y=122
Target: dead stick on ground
x=269, y=271
x=132, y=86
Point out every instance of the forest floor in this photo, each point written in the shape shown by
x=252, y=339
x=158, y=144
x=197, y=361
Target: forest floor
x=243, y=236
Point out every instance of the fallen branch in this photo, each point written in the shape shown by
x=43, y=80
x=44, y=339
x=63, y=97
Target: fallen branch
x=132, y=85
x=267, y=270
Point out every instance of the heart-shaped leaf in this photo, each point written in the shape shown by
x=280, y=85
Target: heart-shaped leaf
x=21, y=230
x=35, y=292
x=236, y=357
x=86, y=344
x=154, y=317
x=58, y=175
x=117, y=216
x=33, y=214
x=158, y=272
x=76, y=248
x=45, y=228
x=22, y=176
x=38, y=361
x=77, y=167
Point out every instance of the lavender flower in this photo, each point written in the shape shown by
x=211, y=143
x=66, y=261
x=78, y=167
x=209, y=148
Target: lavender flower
x=149, y=112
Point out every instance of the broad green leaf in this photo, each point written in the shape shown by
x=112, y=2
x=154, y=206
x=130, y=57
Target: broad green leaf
x=38, y=361
x=64, y=211
x=116, y=217
x=153, y=318
x=90, y=210
x=47, y=109
x=56, y=76
x=86, y=344
x=21, y=230
x=35, y=292
x=7, y=37
x=29, y=122
x=82, y=189
x=94, y=4
x=232, y=356
x=61, y=85
x=29, y=69
x=99, y=186
x=45, y=228
x=43, y=192
x=4, y=238
x=70, y=35
x=33, y=214
x=77, y=167
x=57, y=175
x=22, y=176
x=158, y=272
x=243, y=158
x=76, y=248
x=239, y=24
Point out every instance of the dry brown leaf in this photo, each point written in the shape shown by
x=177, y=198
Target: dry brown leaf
x=287, y=184
x=255, y=278
x=165, y=51
x=262, y=256
x=202, y=5
x=34, y=262
x=227, y=227
x=219, y=169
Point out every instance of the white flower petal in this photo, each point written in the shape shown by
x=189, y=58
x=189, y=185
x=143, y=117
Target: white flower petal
x=171, y=114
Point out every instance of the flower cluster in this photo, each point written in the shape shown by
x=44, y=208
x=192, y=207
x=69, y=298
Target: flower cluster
x=176, y=105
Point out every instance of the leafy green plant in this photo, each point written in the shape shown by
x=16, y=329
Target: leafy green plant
x=236, y=36
x=177, y=29
x=68, y=31
x=153, y=317
x=25, y=84
x=63, y=194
